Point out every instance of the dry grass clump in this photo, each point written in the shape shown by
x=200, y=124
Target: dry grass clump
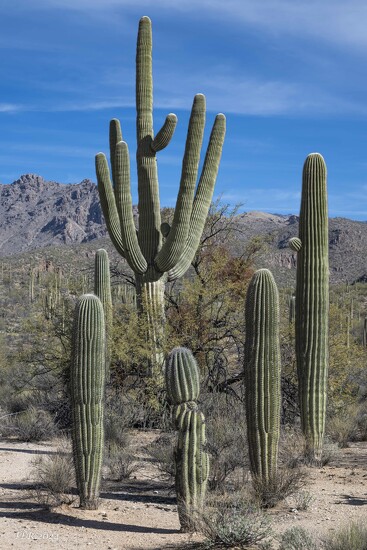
x=54, y=476
x=267, y=492
x=352, y=537
x=297, y=538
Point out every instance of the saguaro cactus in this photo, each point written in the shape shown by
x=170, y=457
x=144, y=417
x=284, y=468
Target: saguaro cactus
x=87, y=392
x=157, y=252
x=312, y=302
x=262, y=374
x=192, y=462
x=102, y=289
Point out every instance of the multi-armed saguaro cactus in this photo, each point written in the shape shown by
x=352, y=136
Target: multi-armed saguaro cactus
x=157, y=252
x=312, y=302
x=87, y=393
x=262, y=374
x=192, y=461
x=102, y=289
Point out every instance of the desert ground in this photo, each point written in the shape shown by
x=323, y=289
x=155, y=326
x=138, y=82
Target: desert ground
x=140, y=513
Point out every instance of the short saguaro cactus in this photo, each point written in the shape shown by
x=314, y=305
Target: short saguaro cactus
x=192, y=461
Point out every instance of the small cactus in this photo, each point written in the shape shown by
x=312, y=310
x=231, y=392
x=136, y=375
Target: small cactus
x=87, y=383
x=192, y=461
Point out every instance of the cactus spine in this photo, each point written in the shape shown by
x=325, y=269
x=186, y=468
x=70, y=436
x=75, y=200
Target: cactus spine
x=262, y=374
x=87, y=382
x=192, y=461
x=157, y=252
x=312, y=302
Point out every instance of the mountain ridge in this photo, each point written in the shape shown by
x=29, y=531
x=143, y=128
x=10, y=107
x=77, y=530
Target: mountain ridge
x=36, y=213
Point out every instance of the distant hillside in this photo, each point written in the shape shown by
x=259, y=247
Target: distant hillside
x=35, y=213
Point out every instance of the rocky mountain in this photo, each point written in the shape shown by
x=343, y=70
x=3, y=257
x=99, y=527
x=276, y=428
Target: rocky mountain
x=35, y=213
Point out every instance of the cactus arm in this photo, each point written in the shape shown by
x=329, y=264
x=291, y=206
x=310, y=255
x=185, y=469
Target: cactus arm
x=124, y=205
x=115, y=138
x=150, y=237
x=175, y=242
x=144, y=80
x=165, y=134
x=108, y=202
x=203, y=197
x=295, y=244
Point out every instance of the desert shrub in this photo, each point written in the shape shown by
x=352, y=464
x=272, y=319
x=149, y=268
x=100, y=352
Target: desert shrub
x=291, y=446
x=352, y=537
x=120, y=463
x=232, y=522
x=362, y=422
x=297, y=538
x=302, y=500
x=285, y=482
x=34, y=425
x=54, y=476
x=226, y=438
x=162, y=451
x=341, y=427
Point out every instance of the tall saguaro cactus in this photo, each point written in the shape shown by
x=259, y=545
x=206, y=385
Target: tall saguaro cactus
x=312, y=302
x=262, y=374
x=157, y=252
x=87, y=394
x=192, y=461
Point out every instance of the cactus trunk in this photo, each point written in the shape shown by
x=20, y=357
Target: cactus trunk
x=87, y=382
x=262, y=374
x=312, y=303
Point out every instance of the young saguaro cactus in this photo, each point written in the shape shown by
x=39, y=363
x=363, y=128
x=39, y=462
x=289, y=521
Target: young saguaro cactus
x=157, y=252
x=87, y=382
x=312, y=302
x=262, y=374
x=192, y=461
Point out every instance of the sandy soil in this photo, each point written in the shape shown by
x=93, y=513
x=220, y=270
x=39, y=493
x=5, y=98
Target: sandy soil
x=141, y=513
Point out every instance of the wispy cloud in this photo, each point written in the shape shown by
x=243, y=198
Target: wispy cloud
x=333, y=21
x=10, y=108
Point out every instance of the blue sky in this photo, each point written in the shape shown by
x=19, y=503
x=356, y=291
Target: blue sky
x=290, y=75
